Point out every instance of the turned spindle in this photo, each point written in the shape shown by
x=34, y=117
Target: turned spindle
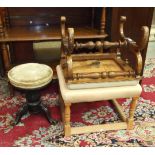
x=5, y=18
x=103, y=75
x=99, y=45
x=118, y=53
x=1, y=27
x=89, y=45
x=103, y=21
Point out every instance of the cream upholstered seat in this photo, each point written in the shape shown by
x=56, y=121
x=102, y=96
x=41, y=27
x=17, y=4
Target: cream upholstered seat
x=69, y=96
x=30, y=75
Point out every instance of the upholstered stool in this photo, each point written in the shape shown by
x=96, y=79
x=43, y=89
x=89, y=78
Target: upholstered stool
x=31, y=77
x=70, y=96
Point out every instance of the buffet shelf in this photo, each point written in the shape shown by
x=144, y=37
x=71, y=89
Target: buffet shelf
x=39, y=33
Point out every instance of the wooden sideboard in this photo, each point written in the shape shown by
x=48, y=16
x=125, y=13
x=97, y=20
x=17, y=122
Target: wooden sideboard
x=20, y=27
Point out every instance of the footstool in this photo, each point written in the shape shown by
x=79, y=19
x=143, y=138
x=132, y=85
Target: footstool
x=70, y=96
x=31, y=77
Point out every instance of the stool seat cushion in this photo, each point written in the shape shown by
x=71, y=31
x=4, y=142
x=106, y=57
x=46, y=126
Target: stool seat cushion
x=95, y=94
x=30, y=75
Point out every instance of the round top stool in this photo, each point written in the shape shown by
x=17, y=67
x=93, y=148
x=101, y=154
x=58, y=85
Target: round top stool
x=31, y=77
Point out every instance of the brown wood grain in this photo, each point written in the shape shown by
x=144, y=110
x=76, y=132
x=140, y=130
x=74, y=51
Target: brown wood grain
x=136, y=18
x=22, y=16
x=41, y=24
x=38, y=33
x=22, y=52
x=80, y=18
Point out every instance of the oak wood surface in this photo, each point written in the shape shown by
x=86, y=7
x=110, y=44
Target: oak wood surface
x=132, y=109
x=92, y=71
x=99, y=128
x=100, y=66
x=128, y=123
x=69, y=130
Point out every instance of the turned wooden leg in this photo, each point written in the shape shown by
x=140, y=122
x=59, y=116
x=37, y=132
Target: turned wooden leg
x=6, y=57
x=67, y=116
x=131, y=113
x=62, y=107
x=7, y=65
x=47, y=114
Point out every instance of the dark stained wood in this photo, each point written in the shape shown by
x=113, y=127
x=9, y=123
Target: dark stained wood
x=1, y=27
x=38, y=33
x=41, y=16
x=98, y=45
x=24, y=52
x=2, y=72
x=132, y=46
x=136, y=18
x=6, y=57
x=19, y=27
x=43, y=24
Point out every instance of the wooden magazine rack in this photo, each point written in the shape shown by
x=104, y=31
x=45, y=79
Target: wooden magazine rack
x=100, y=61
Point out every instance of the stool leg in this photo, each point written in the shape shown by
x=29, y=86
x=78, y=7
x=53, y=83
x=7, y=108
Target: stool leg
x=62, y=107
x=11, y=89
x=131, y=113
x=21, y=112
x=47, y=113
x=67, y=126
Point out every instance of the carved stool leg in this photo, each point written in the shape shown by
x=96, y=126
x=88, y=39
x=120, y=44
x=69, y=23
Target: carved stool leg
x=131, y=113
x=11, y=89
x=67, y=126
x=47, y=113
x=34, y=105
x=23, y=110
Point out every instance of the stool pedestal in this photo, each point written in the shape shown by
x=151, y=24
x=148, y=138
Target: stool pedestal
x=34, y=105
